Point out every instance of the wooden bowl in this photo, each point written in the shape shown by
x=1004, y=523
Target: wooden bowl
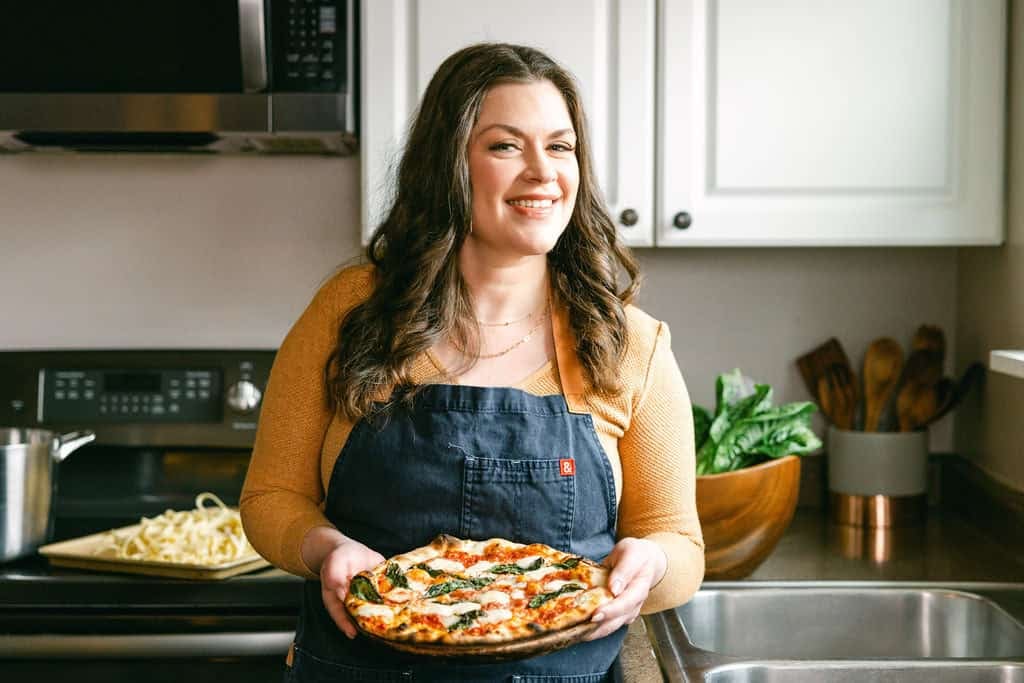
x=744, y=513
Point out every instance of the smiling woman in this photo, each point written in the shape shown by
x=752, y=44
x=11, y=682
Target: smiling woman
x=486, y=377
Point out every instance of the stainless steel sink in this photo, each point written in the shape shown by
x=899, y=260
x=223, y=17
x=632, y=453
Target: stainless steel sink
x=854, y=623
x=861, y=672
x=794, y=632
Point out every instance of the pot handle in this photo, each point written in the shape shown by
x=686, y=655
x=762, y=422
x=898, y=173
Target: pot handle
x=72, y=441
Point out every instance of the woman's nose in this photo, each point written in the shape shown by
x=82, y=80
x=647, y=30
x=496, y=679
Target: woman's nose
x=540, y=169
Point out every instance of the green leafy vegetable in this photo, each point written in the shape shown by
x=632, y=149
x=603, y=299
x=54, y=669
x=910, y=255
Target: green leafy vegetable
x=538, y=600
x=362, y=588
x=515, y=568
x=394, y=573
x=466, y=620
x=568, y=564
x=457, y=584
x=433, y=572
x=746, y=429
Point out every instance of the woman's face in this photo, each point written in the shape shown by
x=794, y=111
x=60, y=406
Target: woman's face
x=523, y=169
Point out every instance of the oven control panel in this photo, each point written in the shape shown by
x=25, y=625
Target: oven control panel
x=205, y=398
x=138, y=395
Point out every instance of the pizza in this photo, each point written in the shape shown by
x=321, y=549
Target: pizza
x=455, y=591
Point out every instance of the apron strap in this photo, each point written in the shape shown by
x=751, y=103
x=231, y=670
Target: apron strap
x=570, y=371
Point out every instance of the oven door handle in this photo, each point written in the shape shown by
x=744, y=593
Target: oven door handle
x=252, y=32
x=236, y=644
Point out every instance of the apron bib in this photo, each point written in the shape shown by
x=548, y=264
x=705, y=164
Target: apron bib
x=474, y=462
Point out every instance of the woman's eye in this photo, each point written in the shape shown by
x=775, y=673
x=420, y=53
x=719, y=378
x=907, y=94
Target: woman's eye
x=561, y=147
x=502, y=147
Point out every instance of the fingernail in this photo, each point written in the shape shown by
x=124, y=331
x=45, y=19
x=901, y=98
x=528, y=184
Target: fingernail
x=616, y=587
x=599, y=616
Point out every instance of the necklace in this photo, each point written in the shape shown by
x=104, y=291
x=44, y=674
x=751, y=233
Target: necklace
x=514, y=346
x=481, y=323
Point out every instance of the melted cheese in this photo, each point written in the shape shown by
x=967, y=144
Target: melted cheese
x=371, y=610
x=493, y=616
x=527, y=561
x=518, y=594
x=416, y=586
x=540, y=573
x=479, y=568
x=399, y=595
x=489, y=597
x=443, y=610
x=445, y=565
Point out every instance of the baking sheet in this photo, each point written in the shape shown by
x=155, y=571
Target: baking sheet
x=80, y=553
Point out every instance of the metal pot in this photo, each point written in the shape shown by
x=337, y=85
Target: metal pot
x=28, y=482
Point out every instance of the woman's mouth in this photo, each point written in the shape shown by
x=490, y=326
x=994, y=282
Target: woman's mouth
x=532, y=208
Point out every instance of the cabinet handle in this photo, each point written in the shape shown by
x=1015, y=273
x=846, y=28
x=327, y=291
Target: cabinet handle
x=682, y=220
x=628, y=217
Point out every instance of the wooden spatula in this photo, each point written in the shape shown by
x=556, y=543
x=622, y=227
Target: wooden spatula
x=883, y=363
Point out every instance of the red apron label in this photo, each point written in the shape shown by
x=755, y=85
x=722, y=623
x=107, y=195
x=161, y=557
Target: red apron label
x=567, y=466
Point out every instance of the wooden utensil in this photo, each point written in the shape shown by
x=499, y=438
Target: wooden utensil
x=844, y=395
x=917, y=400
x=814, y=365
x=948, y=401
x=883, y=363
x=930, y=338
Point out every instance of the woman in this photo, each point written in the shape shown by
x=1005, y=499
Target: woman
x=443, y=387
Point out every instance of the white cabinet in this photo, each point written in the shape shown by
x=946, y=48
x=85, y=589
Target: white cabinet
x=801, y=122
x=784, y=123
x=607, y=44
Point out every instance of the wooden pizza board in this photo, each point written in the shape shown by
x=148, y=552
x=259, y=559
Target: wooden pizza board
x=496, y=652
x=81, y=553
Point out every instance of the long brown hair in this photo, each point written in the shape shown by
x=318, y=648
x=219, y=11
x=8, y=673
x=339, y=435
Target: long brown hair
x=419, y=295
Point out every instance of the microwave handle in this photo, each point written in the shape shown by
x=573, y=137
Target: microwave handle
x=252, y=37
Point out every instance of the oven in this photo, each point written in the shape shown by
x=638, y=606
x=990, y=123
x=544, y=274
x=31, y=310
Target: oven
x=169, y=424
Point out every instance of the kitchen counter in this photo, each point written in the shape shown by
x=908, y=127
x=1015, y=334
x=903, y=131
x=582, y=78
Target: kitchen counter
x=945, y=548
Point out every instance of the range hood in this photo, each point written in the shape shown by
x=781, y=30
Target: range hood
x=278, y=123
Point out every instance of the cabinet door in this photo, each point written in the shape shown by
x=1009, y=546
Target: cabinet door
x=801, y=122
x=607, y=44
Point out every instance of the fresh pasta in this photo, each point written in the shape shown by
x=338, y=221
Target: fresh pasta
x=209, y=535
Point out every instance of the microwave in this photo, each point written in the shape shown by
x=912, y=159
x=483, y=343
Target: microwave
x=186, y=75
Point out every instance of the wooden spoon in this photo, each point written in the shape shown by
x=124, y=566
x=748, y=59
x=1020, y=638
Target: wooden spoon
x=883, y=362
x=915, y=405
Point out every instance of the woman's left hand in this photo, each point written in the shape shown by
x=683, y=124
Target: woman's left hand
x=636, y=566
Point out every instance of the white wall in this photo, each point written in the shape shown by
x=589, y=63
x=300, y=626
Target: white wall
x=168, y=251
x=990, y=430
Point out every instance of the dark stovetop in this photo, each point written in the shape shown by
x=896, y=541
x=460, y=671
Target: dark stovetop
x=31, y=582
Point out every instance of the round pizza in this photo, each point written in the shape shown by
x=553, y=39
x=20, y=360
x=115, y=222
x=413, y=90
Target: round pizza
x=455, y=592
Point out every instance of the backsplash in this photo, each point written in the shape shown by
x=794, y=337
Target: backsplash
x=171, y=251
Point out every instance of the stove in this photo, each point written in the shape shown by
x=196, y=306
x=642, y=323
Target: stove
x=169, y=424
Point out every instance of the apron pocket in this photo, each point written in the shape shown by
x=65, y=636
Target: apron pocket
x=526, y=501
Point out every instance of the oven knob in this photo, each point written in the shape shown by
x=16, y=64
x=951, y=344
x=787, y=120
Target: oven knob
x=243, y=396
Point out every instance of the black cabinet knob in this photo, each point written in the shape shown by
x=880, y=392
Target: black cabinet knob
x=629, y=217
x=682, y=220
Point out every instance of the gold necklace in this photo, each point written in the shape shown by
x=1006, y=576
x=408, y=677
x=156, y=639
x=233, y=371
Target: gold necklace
x=514, y=346
x=481, y=323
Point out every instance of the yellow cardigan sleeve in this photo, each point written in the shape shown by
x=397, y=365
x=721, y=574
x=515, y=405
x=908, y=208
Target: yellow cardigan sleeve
x=659, y=478
x=283, y=495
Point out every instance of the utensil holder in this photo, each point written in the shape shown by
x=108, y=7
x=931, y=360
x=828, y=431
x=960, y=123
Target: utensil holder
x=877, y=479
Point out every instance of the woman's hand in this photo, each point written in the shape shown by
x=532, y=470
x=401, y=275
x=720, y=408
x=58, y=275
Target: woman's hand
x=347, y=559
x=636, y=566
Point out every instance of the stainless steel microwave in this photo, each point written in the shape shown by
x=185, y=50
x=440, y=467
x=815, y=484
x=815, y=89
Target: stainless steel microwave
x=185, y=75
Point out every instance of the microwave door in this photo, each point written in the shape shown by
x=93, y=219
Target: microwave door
x=133, y=46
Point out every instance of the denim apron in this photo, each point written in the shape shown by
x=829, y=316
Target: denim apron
x=474, y=462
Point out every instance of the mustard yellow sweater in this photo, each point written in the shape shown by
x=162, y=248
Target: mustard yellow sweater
x=646, y=431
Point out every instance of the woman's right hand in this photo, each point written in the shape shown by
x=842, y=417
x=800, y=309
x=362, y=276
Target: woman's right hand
x=347, y=559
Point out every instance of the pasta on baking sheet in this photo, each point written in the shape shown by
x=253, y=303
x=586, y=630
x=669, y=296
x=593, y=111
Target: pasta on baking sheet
x=207, y=535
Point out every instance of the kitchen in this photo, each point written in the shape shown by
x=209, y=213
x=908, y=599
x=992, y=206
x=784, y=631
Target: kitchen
x=150, y=251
